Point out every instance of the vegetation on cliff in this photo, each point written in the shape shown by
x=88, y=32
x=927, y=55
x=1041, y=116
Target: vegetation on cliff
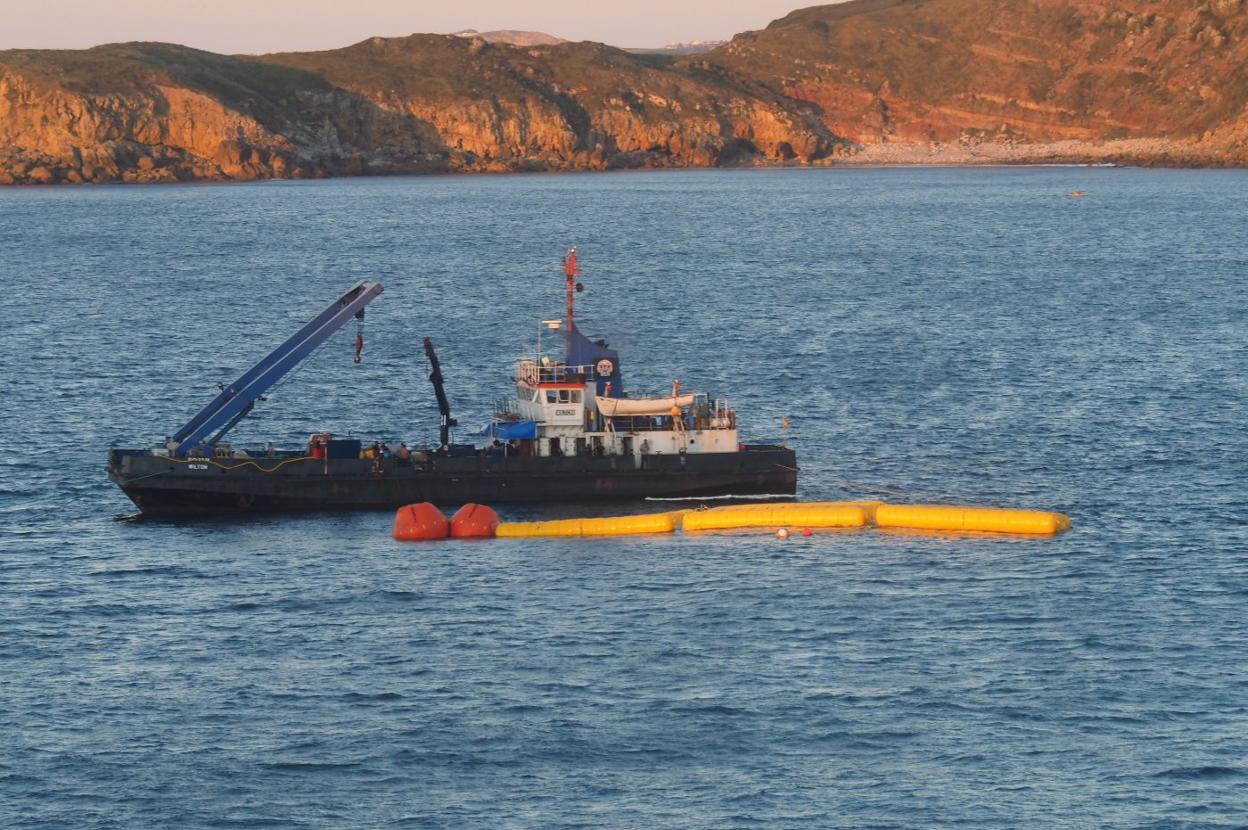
x=1145, y=81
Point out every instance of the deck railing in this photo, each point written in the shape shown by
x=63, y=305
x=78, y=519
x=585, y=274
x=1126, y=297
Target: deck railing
x=534, y=373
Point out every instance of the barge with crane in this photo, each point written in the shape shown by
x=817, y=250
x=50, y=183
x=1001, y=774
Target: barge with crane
x=571, y=433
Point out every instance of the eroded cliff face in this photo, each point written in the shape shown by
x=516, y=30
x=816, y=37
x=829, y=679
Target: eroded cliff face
x=151, y=119
x=892, y=81
x=168, y=134
x=420, y=104
x=1167, y=74
x=567, y=106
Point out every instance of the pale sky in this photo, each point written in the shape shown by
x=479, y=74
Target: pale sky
x=252, y=26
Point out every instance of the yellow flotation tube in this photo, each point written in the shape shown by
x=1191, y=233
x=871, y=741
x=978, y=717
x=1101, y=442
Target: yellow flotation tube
x=983, y=519
x=779, y=515
x=828, y=514
x=611, y=526
x=868, y=506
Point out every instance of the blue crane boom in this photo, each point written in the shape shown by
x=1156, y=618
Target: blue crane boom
x=238, y=399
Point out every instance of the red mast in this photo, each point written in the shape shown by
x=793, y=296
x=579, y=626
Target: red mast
x=571, y=271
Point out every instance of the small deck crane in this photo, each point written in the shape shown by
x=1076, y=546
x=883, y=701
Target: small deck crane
x=444, y=406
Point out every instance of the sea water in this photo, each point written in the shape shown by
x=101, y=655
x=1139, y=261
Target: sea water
x=971, y=336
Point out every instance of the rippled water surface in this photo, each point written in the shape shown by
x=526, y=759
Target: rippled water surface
x=964, y=335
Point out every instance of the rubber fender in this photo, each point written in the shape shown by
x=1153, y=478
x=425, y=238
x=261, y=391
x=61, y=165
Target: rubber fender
x=842, y=515
x=419, y=523
x=613, y=526
x=474, y=521
x=983, y=519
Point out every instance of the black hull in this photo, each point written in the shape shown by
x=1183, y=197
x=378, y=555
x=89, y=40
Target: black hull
x=162, y=486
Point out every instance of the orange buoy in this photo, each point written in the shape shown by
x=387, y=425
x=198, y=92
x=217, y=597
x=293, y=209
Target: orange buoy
x=474, y=521
x=420, y=522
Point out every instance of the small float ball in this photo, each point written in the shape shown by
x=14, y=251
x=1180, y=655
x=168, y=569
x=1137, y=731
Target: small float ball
x=782, y=533
x=806, y=532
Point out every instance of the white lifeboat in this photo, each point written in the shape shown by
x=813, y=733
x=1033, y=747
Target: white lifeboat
x=624, y=407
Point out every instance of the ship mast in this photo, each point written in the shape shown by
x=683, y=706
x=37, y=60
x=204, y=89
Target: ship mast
x=571, y=270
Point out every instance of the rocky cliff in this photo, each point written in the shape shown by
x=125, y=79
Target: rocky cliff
x=1143, y=81
x=152, y=112
x=157, y=112
x=1157, y=81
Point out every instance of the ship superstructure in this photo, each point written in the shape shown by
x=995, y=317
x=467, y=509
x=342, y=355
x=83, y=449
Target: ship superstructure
x=577, y=405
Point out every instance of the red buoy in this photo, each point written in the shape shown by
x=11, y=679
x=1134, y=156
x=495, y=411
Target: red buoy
x=420, y=522
x=474, y=521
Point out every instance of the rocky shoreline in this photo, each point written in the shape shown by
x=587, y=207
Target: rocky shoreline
x=21, y=171
x=1139, y=152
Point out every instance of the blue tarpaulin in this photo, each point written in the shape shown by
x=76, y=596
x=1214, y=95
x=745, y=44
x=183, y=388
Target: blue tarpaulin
x=581, y=351
x=510, y=430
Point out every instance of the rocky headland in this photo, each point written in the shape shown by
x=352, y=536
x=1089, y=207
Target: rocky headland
x=1156, y=82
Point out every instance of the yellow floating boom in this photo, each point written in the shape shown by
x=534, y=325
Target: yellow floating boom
x=956, y=517
x=846, y=514
x=779, y=515
x=868, y=506
x=612, y=526
x=769, y=505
